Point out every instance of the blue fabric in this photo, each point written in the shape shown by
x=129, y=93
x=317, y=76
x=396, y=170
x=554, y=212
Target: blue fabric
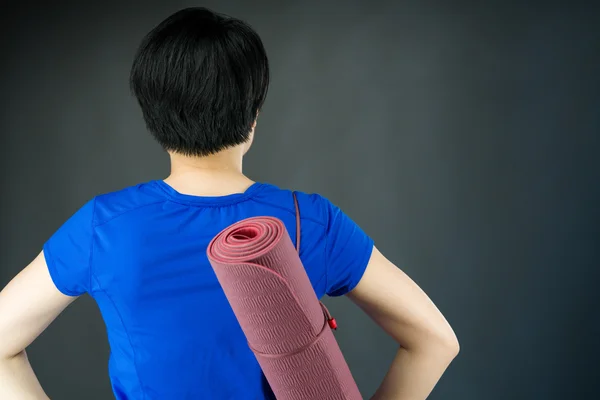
x=141, y=254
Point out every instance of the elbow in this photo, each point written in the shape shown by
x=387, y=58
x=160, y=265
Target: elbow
x=451, y=346
x=446, y=344
x=442, y=345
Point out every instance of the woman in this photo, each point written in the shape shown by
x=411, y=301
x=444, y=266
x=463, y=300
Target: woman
x=201, y=79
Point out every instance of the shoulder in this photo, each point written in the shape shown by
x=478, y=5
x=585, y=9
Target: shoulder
x=110, y=205
x=313, y=206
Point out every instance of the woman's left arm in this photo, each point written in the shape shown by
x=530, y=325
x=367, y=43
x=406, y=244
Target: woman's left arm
x=28, y=304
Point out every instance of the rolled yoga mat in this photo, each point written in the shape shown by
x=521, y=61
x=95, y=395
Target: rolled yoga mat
x=286, y=326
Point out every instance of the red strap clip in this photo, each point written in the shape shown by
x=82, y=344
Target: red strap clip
x=332, y=323
x=330, y=320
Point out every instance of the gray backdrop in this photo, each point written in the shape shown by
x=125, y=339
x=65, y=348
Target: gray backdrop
x=463, y=137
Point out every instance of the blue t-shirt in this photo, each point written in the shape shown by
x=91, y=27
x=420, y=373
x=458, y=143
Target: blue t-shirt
x=141, y=254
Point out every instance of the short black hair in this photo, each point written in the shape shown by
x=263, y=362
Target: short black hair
x=200, y=78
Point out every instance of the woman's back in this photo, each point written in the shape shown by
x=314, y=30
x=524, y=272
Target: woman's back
x=141, y=254
x=201, y=79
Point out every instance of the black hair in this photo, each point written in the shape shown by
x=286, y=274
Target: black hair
x=200, y=78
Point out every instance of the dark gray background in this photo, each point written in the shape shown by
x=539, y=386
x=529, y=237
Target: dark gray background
x=464, y=138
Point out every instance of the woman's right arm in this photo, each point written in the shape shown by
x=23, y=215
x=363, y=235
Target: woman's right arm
x=427, y=342
x=28, y=304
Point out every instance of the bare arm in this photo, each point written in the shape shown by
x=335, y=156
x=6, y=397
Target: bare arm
x=28, y=304
x=403, y=310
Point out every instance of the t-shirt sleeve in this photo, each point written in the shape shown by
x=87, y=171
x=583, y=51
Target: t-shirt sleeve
x=68, y=252
x=347, y=251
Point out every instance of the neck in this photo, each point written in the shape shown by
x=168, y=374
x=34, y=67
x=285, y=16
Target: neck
x=213, y=175
x=226, y=160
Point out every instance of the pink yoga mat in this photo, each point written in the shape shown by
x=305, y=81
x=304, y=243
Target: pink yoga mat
x=286, y=326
